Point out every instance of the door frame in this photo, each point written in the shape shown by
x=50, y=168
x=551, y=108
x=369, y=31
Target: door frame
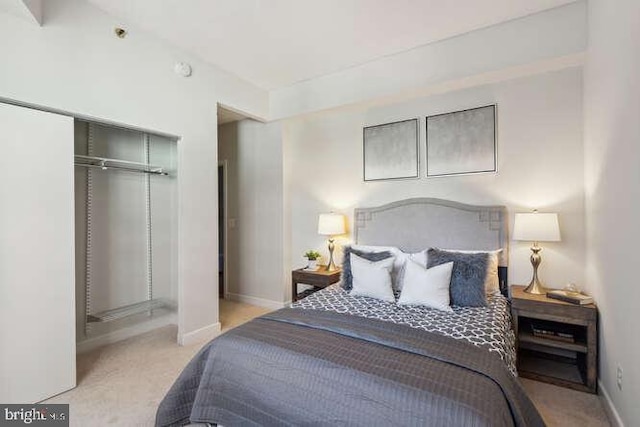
x=225, y=221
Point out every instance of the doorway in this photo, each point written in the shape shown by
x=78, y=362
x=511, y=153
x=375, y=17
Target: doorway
x=227, y=201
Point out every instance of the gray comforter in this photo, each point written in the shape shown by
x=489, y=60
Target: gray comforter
x=311, y=367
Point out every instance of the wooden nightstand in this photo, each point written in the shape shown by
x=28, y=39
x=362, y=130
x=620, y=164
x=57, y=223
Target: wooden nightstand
x=319, y=279
x=564, y=363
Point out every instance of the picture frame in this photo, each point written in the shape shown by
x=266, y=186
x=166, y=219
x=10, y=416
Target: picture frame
x=462, y=142
x=391, y=151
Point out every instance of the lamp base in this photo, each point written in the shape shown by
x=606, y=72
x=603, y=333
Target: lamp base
x=535, y=286
x=331, y=266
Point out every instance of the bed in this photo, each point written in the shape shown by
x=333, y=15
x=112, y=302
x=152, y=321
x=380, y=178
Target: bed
x=335, y=358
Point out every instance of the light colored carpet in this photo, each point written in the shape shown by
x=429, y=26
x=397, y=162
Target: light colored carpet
x=565, y=407
x=122, y=384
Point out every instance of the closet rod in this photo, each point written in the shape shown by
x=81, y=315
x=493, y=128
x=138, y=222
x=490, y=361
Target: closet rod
x=124, y=165
x=154, y=172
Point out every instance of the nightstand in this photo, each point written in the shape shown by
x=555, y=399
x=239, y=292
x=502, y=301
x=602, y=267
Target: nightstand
x=319, y=279
x=556, y=342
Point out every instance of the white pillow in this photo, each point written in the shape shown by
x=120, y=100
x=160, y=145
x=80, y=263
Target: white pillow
x=427, y=287
x=372, y=279
x=492, y=281
x=399, y=261
x=398, y=276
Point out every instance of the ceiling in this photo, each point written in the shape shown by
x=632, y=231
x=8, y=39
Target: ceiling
x=276, y=43
x=30, y=10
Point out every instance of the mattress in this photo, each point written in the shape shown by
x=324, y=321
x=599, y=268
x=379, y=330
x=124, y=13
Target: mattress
x=487, y=327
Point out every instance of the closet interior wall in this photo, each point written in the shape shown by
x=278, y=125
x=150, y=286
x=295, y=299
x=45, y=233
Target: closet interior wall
x=126, y=233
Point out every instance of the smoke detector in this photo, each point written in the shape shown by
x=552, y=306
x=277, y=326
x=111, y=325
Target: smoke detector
x=182, y=69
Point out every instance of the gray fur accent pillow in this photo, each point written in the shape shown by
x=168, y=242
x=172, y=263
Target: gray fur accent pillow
x=468, y=276
x=347, y=276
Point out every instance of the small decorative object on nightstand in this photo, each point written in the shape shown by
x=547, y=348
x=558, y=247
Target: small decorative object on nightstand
x=312, y=259
x=557, y=342
x=319, y=279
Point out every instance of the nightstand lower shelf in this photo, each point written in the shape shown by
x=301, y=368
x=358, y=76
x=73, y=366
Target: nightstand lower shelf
x=558, y=370
x=528, y=338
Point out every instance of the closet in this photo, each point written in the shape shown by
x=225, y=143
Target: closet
x=125, y=232
x=88, y=254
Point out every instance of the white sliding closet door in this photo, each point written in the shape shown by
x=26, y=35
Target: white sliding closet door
x=37, y=295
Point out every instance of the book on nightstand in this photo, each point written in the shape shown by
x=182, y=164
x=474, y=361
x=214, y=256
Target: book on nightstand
x=554, y=335
x=552, y=330
x=572, y=297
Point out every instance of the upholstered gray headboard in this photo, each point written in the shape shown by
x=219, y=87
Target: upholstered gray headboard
x=417, y=224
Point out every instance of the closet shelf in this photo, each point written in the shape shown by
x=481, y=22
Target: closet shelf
x=128, y=310
x=124, y=165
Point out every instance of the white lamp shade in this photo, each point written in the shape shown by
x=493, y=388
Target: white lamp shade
x=331, y=224
x=536, y=227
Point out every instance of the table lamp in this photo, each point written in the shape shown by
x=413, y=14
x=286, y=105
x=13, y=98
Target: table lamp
x=536, y=227
x=331, y=224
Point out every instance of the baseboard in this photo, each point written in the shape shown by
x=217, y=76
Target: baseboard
x=203, y=334
x=124, y=333
x=260, y=302
x=609, y=408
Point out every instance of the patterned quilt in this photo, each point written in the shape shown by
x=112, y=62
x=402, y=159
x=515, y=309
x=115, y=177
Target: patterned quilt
x=488, y=327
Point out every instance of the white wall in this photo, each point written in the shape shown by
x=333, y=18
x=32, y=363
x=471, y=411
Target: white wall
x=540, y=165
x=256, y=199
x=612, y=150
x=540, y=40
x=74, y=63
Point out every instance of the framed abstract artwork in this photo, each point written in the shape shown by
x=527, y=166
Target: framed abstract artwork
x=462, y=142
x=390, y=151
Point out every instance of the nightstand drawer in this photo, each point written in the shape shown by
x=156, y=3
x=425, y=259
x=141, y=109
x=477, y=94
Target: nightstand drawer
x=561, y=312
x=320, y=278
x=312, y=278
